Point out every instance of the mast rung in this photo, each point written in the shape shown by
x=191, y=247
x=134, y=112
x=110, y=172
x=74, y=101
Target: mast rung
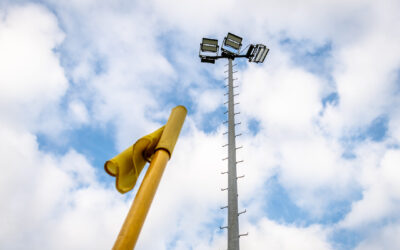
x=225, y=122
x=223, y=207
x=239, y=147
x=224, y=172
x=226, y=112
x=225, y=227
x=238, y=135
x=235, y=86
x=225, y=133
x=223, y=189
x=240, y=176
x=242, y=212
x=225, y=145
x=239, y=161
x=240, y=235
x=226, y=94
x=237, y=113
x=236, y=94
x=236, y=103
x=225, y=159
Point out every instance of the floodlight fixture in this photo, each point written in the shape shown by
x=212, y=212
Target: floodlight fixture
x=209, y=45
x=258, y=53
x=233, y=41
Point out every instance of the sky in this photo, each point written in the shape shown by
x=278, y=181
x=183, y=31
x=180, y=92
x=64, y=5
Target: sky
x=80, y=81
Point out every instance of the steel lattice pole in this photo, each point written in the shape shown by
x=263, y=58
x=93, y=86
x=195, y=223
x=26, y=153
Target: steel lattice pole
x=233, y=218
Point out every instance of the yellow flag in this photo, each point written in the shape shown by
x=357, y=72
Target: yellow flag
x=126, y=166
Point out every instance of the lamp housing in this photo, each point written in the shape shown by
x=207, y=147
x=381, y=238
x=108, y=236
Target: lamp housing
x=258, y=53
x=232, y=43
x=209, y=45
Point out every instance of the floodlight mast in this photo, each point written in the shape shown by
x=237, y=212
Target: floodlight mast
x=231, y=51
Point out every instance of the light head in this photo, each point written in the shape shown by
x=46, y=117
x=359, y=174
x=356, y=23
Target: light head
x=232, y=44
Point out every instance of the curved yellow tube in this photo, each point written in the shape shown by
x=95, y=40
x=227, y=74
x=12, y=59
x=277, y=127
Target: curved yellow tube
x=132, y=226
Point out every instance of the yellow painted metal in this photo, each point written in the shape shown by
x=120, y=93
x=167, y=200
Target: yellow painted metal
x=132, y=226
x=172, y=129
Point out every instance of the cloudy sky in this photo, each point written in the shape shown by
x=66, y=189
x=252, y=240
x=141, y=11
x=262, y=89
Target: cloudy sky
x=82, y=80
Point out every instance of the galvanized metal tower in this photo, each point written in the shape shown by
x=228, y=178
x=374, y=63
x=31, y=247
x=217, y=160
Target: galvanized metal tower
x=209, y=53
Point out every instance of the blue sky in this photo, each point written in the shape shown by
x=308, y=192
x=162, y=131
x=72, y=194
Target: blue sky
x=82, y=80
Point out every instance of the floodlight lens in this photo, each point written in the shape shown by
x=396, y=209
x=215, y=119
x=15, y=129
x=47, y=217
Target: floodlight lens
x=209, y=45
x=232, y=44
x=208, y=48
x=259, y=54
x=210, y=41
x=234, y=38
x=264, y=54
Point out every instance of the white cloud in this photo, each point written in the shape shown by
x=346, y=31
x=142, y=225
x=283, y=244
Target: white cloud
x=270, y=235
x=385, y=238
x=381, y=190
x=78, y=112
x=31, y=78
x=53, y=201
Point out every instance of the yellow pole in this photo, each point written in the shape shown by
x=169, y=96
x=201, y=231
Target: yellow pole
x=137, y=214
x=132, y=226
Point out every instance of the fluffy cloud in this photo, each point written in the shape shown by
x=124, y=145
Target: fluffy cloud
x=382, y=191
x=387, y=238
x=31, y=77
x=53, y=201
x=270, y=235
